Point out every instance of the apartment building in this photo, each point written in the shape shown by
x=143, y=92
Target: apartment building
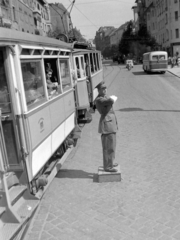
x=102, y=38
x=31, y=16
x=163, y=22
x=116, y=35
x=60, y=18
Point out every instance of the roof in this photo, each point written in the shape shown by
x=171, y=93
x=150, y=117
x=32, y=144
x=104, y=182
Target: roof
x=113, y=32
x=59, y=5
x=9, y=36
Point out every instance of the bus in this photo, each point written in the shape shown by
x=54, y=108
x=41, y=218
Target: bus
x=44, y=95
x=156, y=61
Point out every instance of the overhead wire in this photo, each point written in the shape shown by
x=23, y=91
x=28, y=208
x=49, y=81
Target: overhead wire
x=81, y=3
x=85, y=16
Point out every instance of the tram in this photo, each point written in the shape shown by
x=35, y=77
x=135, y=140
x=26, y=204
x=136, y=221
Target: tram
x=46, y=89
x=88, y=69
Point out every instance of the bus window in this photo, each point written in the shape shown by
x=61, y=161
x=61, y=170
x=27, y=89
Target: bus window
x=155, y=57
x=4, y=93
x=65, y=74
x=83, y=67
x=91, y=62
x=161, y=57
x=33, y=82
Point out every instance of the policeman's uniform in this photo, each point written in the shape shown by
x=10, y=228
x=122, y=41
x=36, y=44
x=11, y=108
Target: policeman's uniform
x=107, y=127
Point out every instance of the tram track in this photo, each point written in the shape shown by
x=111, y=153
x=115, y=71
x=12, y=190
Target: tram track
x=114, y=76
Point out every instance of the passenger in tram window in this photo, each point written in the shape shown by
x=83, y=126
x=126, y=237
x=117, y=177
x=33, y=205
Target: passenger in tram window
x=51, y=86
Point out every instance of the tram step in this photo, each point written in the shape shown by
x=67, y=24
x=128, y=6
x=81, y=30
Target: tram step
x=27, y=208
x=11, y=179
x=2, y=210
x=16, y=192
x=9, y=231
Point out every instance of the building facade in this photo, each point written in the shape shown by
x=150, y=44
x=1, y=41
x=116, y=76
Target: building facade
x=116, y=35
x=60, y=18
x=102, y=38
x=163, y=22
x=31, y=16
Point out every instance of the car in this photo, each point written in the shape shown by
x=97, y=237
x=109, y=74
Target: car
x=129, y=61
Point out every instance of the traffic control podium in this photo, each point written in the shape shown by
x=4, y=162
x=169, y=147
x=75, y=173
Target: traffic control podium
x=104, y=176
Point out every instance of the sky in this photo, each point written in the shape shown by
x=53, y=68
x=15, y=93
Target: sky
x=89, y=15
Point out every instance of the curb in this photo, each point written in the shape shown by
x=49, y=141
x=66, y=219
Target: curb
x=173, y=74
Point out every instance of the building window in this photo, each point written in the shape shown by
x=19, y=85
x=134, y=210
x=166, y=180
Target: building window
x=177, y=32
x=14, y=13
x=166, y=18
x=176, y=15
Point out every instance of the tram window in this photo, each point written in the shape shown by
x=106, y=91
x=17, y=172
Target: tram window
x=83, y=67
x=95, y=64
x=52, y=82
x=97, y=58
x=37, y=52
x=4, y=93
x=91, y=62
x=77, y=67
x=47, y=52
x=33, y=82
x=87, y=64
x=65, y=74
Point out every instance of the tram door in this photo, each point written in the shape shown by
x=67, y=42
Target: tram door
x=8, y=119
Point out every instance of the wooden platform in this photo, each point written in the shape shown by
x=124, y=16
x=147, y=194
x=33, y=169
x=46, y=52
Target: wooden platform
x=109, y=176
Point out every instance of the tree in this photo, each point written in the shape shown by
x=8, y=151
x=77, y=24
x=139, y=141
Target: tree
x=73, y=35
x=76, y=35
x=135, y=44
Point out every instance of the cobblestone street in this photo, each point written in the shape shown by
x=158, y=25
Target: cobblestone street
x=146, y=203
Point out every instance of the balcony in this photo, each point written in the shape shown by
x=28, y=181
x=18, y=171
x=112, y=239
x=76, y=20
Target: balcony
x=5, y=16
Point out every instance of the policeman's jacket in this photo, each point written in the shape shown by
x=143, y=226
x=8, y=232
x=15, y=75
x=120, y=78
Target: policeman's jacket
x=108, y=121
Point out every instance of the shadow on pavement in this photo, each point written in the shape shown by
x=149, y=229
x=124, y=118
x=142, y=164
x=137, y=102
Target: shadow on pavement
x=140, y=110
x=150, y=73
x=74, y=173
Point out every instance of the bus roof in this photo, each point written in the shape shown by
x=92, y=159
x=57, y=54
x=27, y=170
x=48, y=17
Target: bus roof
x=11, y=37
x=156, y=52
x=83, y=51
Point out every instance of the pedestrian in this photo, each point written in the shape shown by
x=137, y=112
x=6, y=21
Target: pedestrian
x=178, y=61
x=107, y=127
x=171, y=59
x=174, y=61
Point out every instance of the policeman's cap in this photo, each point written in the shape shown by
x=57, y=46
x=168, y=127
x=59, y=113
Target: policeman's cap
x=101, y=85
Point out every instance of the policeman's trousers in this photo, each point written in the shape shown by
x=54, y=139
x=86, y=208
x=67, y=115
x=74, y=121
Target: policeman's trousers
x=109, y=148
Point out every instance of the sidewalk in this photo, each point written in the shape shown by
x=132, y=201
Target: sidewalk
x=175, y=70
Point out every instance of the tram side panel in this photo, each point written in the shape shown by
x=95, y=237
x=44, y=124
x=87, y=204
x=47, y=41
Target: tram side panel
x=50, y=118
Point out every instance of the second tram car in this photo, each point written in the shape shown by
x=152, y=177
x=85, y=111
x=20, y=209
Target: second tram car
x=46, y=88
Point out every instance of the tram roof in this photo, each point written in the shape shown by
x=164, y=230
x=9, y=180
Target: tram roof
x=11, y=37
x=82, y=51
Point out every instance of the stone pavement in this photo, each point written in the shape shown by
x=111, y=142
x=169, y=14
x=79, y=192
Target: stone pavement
x=175, y=70
x=145, y=205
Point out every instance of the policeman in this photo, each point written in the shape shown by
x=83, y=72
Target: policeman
x=107, y=127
